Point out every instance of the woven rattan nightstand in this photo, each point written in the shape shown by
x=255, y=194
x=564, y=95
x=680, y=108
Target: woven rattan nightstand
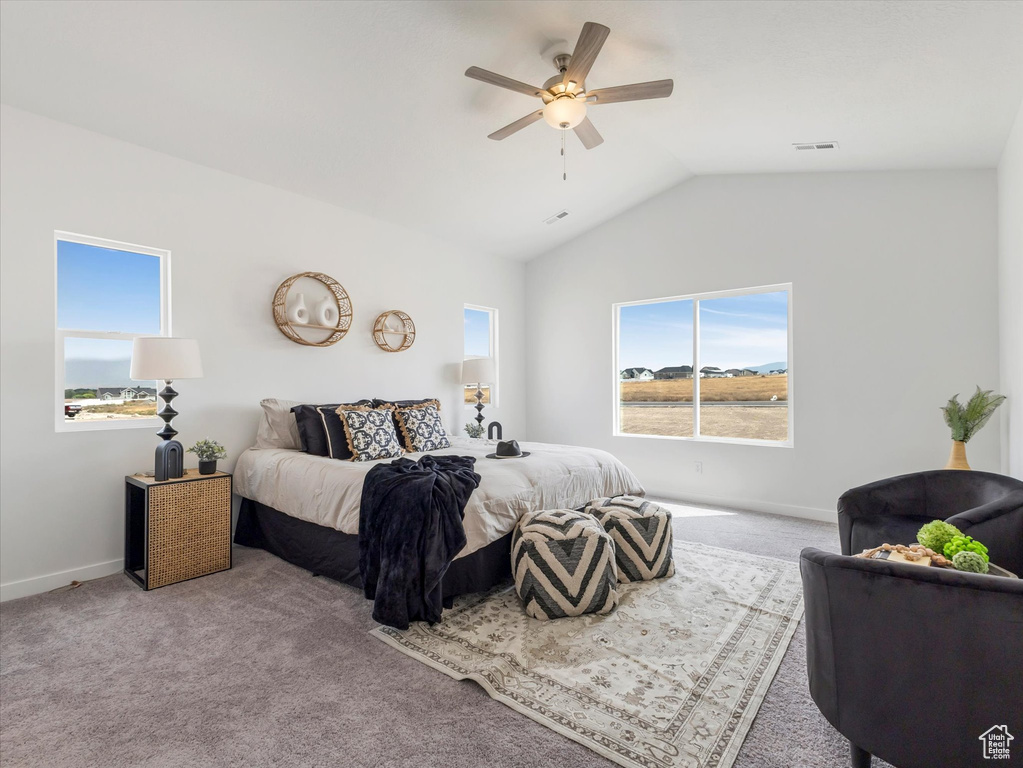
x=176, y=529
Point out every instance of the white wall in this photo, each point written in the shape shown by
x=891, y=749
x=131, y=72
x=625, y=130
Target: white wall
x=1010, y=288
x=233, y=241
x=895, y=309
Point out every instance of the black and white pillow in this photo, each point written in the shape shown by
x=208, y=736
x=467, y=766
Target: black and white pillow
x=422, y=427
x=370, y=433
x=397, y=405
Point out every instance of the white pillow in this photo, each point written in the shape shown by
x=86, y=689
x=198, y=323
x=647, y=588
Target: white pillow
x=277, y=427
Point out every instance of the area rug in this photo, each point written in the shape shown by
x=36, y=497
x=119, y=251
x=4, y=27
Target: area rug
x=673, y=678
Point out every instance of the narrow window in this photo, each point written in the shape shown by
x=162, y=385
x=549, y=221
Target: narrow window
x=107, y=294
x=710, y=366
x=481, y=341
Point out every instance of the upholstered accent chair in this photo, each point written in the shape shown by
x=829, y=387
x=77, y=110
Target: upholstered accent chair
x=986, y=506
x=910, y=663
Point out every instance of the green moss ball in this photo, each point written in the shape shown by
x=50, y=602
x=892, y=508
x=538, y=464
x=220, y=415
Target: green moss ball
x=936, y=534
x=962, y=543
x=969, y=561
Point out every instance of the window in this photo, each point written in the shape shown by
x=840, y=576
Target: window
x=481, y=341
x=107, y=294
x=730, y=353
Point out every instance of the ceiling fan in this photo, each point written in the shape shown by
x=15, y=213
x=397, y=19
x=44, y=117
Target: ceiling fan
x=565, y=96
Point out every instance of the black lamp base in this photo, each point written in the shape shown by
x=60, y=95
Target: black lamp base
x=479, y=405
x=170, y=454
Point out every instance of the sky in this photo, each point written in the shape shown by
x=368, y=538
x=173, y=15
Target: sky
x=735, y=332
x=477, y=333
x=101, y=289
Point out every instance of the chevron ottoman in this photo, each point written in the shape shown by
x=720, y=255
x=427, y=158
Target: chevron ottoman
x=564, y=564
x=641, y=531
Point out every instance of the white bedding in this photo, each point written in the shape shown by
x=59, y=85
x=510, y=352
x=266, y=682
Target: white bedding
x=327, y=491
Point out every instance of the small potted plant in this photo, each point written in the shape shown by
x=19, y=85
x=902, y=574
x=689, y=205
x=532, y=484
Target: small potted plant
x=966, y=420
x=475, y=431
x=208, y=451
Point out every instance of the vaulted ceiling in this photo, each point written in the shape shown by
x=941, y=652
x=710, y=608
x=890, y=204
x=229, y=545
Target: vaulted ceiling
x=364, y=104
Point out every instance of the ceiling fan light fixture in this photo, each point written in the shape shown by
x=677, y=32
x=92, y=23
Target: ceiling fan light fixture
x=565, y=112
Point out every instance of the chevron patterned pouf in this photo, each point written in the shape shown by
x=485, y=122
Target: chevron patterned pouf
x=641, y=531
x=564, y=564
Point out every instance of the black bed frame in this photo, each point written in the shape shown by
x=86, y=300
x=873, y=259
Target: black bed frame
x=331, y=553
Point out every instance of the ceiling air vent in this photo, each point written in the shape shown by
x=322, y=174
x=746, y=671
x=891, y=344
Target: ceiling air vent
x=816, y=145
x=556, y=217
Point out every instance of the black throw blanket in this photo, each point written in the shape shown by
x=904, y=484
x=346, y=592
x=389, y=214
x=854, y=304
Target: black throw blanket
x=410, y=529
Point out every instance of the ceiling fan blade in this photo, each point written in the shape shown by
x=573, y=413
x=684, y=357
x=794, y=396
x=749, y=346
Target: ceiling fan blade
x=591, y=39
x=656, y=89
x=504, y=82
x=587, y=134
x=518, y=125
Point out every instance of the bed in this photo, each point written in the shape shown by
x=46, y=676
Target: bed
x=305, y=509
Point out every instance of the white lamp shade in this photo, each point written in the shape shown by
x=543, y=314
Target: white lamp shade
x=162, y=357
x=478, y=370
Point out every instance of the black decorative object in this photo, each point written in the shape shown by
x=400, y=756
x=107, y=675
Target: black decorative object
x=170, y=460
x=494, y=431
x=208, y=467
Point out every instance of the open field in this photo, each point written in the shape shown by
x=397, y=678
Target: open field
x=126, y=410
x=469, y=395
x=743, y=388
x=738, y=421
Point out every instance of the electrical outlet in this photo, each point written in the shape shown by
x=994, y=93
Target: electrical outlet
x=698, y=466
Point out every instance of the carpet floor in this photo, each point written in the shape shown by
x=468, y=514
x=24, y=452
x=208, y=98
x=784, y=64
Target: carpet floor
x=266, y=665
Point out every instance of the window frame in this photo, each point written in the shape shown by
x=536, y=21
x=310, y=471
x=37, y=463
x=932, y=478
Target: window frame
x=495, y=388
x=696, y=298
x=62, y=334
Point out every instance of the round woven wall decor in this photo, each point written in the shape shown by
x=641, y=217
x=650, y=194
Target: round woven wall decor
x=394, y=331
x=336, y=330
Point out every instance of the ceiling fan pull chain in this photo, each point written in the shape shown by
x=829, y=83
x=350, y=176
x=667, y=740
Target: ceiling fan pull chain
x=564, y=160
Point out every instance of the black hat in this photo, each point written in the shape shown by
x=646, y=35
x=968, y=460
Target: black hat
x=508, y=449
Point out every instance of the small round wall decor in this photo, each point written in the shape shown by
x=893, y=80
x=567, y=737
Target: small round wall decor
x=309, y=304
x=394, y=331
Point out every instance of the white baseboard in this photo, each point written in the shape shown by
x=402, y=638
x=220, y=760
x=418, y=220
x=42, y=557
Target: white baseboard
x=34, y=586
x=771, y=508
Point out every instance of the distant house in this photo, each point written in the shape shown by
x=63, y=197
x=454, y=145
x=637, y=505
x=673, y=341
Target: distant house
x=779, y=370
x=637, y=374
x=740, y=372
x=126, y=393
x=712, y=372
x=675, y=372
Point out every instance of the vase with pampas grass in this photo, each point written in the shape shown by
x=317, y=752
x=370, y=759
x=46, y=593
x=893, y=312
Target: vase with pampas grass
x=966, y=420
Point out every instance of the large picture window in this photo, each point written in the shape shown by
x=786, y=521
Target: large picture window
x=481, y=341
x=715, y=366
x=107, y=294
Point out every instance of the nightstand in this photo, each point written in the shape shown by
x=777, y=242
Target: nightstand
x=178, y=529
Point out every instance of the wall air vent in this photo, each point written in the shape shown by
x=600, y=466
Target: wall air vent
x=556, y=217
x=816, y=145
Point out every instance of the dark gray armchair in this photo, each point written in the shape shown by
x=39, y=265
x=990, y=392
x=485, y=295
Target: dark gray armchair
x=913, y=664
x=987, y=506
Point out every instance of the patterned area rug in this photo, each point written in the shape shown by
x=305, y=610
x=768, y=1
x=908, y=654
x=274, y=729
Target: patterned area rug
x=674, y=677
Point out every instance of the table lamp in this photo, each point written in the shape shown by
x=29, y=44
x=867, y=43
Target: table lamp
x=479, y=371
x=167, y=358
